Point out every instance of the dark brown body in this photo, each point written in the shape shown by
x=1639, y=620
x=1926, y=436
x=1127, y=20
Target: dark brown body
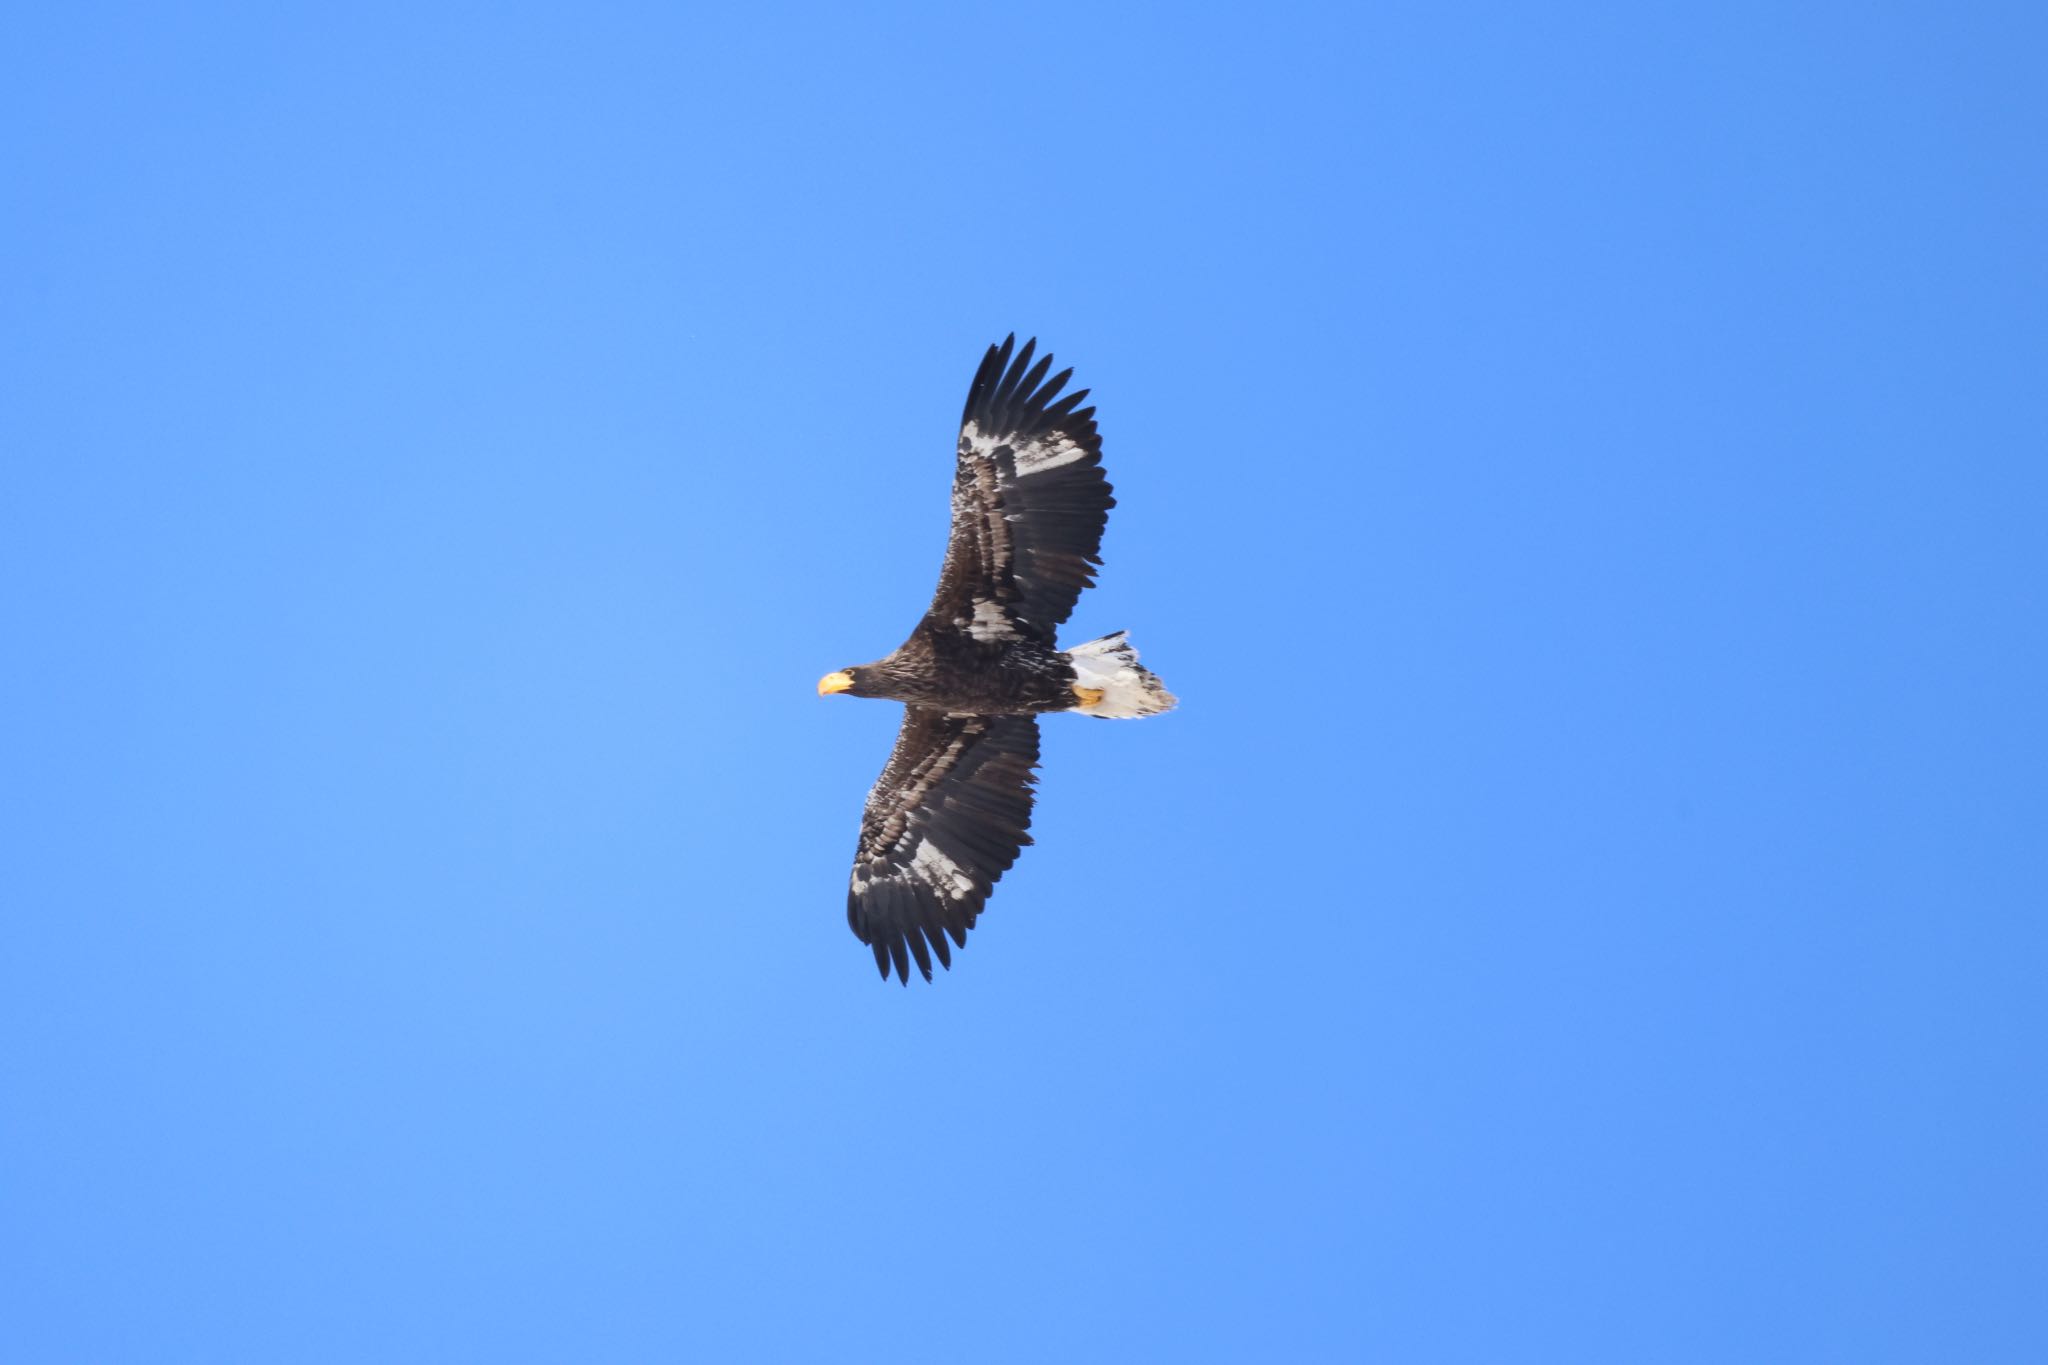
x=952, y=672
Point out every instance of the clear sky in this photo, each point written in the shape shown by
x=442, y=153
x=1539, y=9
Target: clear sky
x=1581, y=467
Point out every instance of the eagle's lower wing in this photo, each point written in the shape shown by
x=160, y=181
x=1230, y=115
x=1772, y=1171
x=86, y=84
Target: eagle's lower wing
x=1029, y=504
x=945, y=820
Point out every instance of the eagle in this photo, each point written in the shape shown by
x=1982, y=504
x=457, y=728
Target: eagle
x=952, y=808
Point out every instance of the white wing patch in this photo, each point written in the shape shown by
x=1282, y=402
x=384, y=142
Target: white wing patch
x=929, y=866
x=938, y=871
x=1050, y=453
x=990, y=622
x=1033, y=457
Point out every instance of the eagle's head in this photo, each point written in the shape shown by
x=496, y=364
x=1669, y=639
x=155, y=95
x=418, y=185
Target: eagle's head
x=845, y=680
x=885, y=678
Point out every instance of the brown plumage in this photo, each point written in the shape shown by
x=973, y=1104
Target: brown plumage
x=952, y=808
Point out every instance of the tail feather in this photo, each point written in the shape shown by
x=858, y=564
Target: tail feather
x=1128, y=689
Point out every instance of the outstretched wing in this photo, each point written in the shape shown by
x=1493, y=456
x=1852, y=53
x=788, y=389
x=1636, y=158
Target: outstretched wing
x=1029, y=503
x=945, y=820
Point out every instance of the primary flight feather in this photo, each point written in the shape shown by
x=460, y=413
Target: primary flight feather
x=952, y=808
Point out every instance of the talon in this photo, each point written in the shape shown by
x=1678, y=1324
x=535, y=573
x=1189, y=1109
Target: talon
x=1090, y=696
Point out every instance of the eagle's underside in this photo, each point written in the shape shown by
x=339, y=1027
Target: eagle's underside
x=952, y=808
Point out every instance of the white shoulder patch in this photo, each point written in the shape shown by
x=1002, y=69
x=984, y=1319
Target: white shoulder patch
x=990, y=622
x=972, y=442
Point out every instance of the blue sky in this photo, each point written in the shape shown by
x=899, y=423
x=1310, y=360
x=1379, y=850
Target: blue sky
x=1581, y=468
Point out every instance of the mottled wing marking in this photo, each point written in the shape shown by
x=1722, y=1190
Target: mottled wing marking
x=1029, y=503
x=944, y=822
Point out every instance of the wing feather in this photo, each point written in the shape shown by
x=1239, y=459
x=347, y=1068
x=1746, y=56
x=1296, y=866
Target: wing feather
x=1030, y=502
x=947, y=818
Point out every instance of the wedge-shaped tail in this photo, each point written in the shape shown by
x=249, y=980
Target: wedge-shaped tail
x=1129, y=689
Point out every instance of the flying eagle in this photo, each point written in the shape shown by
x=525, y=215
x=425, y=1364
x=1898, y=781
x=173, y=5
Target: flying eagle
x=951, y=810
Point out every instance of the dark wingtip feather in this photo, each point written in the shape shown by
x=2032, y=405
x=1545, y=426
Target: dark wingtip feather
x=1020, y=364
x=1058, y=412
x=986, y=378
x=1027, y=388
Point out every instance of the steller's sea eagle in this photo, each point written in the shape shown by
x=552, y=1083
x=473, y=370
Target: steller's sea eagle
x=950, y=811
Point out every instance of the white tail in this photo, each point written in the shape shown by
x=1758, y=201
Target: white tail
x=1110, y=665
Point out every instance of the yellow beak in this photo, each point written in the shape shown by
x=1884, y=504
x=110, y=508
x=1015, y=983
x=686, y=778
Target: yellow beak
x=834, y=682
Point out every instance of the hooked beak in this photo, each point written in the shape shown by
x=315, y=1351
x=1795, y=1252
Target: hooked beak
x=834, y=682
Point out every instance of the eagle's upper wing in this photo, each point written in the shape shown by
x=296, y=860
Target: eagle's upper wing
x=945, y=820
x=1029, y=503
